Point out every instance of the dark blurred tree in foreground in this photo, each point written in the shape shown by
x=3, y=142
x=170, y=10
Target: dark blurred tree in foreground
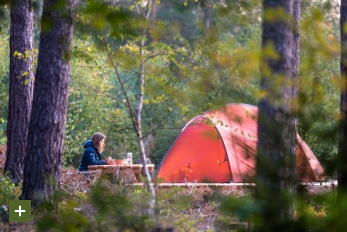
x=342, y=155
x=47, y=123
x=276, y=147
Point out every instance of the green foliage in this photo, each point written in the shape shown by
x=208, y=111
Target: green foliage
x=8, y=190
x=177, y=199
x=115, y=208
x=177, y=207
x=94, y=106
x=319, y=91
x=318, y=209
x=106, y=209
x=216, y=69
x=117, y=21
x=4, y=16
x=326, y=213
x=64, y=217
x=4, y=82
x=189, y=69
x=236, y=214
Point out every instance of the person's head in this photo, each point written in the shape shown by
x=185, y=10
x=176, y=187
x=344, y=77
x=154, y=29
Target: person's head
x=98, y=140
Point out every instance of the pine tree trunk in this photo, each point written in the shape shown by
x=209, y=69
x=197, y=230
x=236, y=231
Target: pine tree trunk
x=21, y=86
x=276, y=120
x=47, y=123
x=342, y=154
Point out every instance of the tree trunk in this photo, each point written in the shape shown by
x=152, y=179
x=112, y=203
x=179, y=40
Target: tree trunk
x=342, y=154
x=296, y=48
x=136, y=117
x=21, y=86
x=48, y=118
x=138, y=124
x=143, y=156
x=207, y=18
x=276, y=147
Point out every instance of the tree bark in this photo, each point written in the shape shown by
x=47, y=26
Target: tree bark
x=138, y=116
x=47, y=123
x=207, y=18
x=21, y=86
x=296, y=48
x=342, y=152
x=276, y=147
x=143, y=156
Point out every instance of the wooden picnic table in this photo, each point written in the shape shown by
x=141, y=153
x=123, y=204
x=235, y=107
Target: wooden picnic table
x=134, y=169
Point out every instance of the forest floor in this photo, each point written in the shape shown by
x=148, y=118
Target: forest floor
x=201, y=212
x=184, y=209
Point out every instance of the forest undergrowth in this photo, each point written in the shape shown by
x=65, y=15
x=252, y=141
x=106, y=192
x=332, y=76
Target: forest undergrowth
x=92, y=203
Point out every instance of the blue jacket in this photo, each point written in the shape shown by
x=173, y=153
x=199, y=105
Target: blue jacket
x=91, y=156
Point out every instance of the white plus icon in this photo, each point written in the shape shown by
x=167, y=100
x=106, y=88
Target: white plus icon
x=20, y=211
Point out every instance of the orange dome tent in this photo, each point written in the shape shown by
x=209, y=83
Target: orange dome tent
x=220, y=146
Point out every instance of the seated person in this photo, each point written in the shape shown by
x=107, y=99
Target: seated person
x=92, y=152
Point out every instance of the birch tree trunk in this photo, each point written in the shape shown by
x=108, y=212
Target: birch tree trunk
x=143, y=156
x=137, y=115
x=138, y=123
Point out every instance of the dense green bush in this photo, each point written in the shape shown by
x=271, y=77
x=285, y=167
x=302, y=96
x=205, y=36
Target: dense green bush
x=8, y=190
